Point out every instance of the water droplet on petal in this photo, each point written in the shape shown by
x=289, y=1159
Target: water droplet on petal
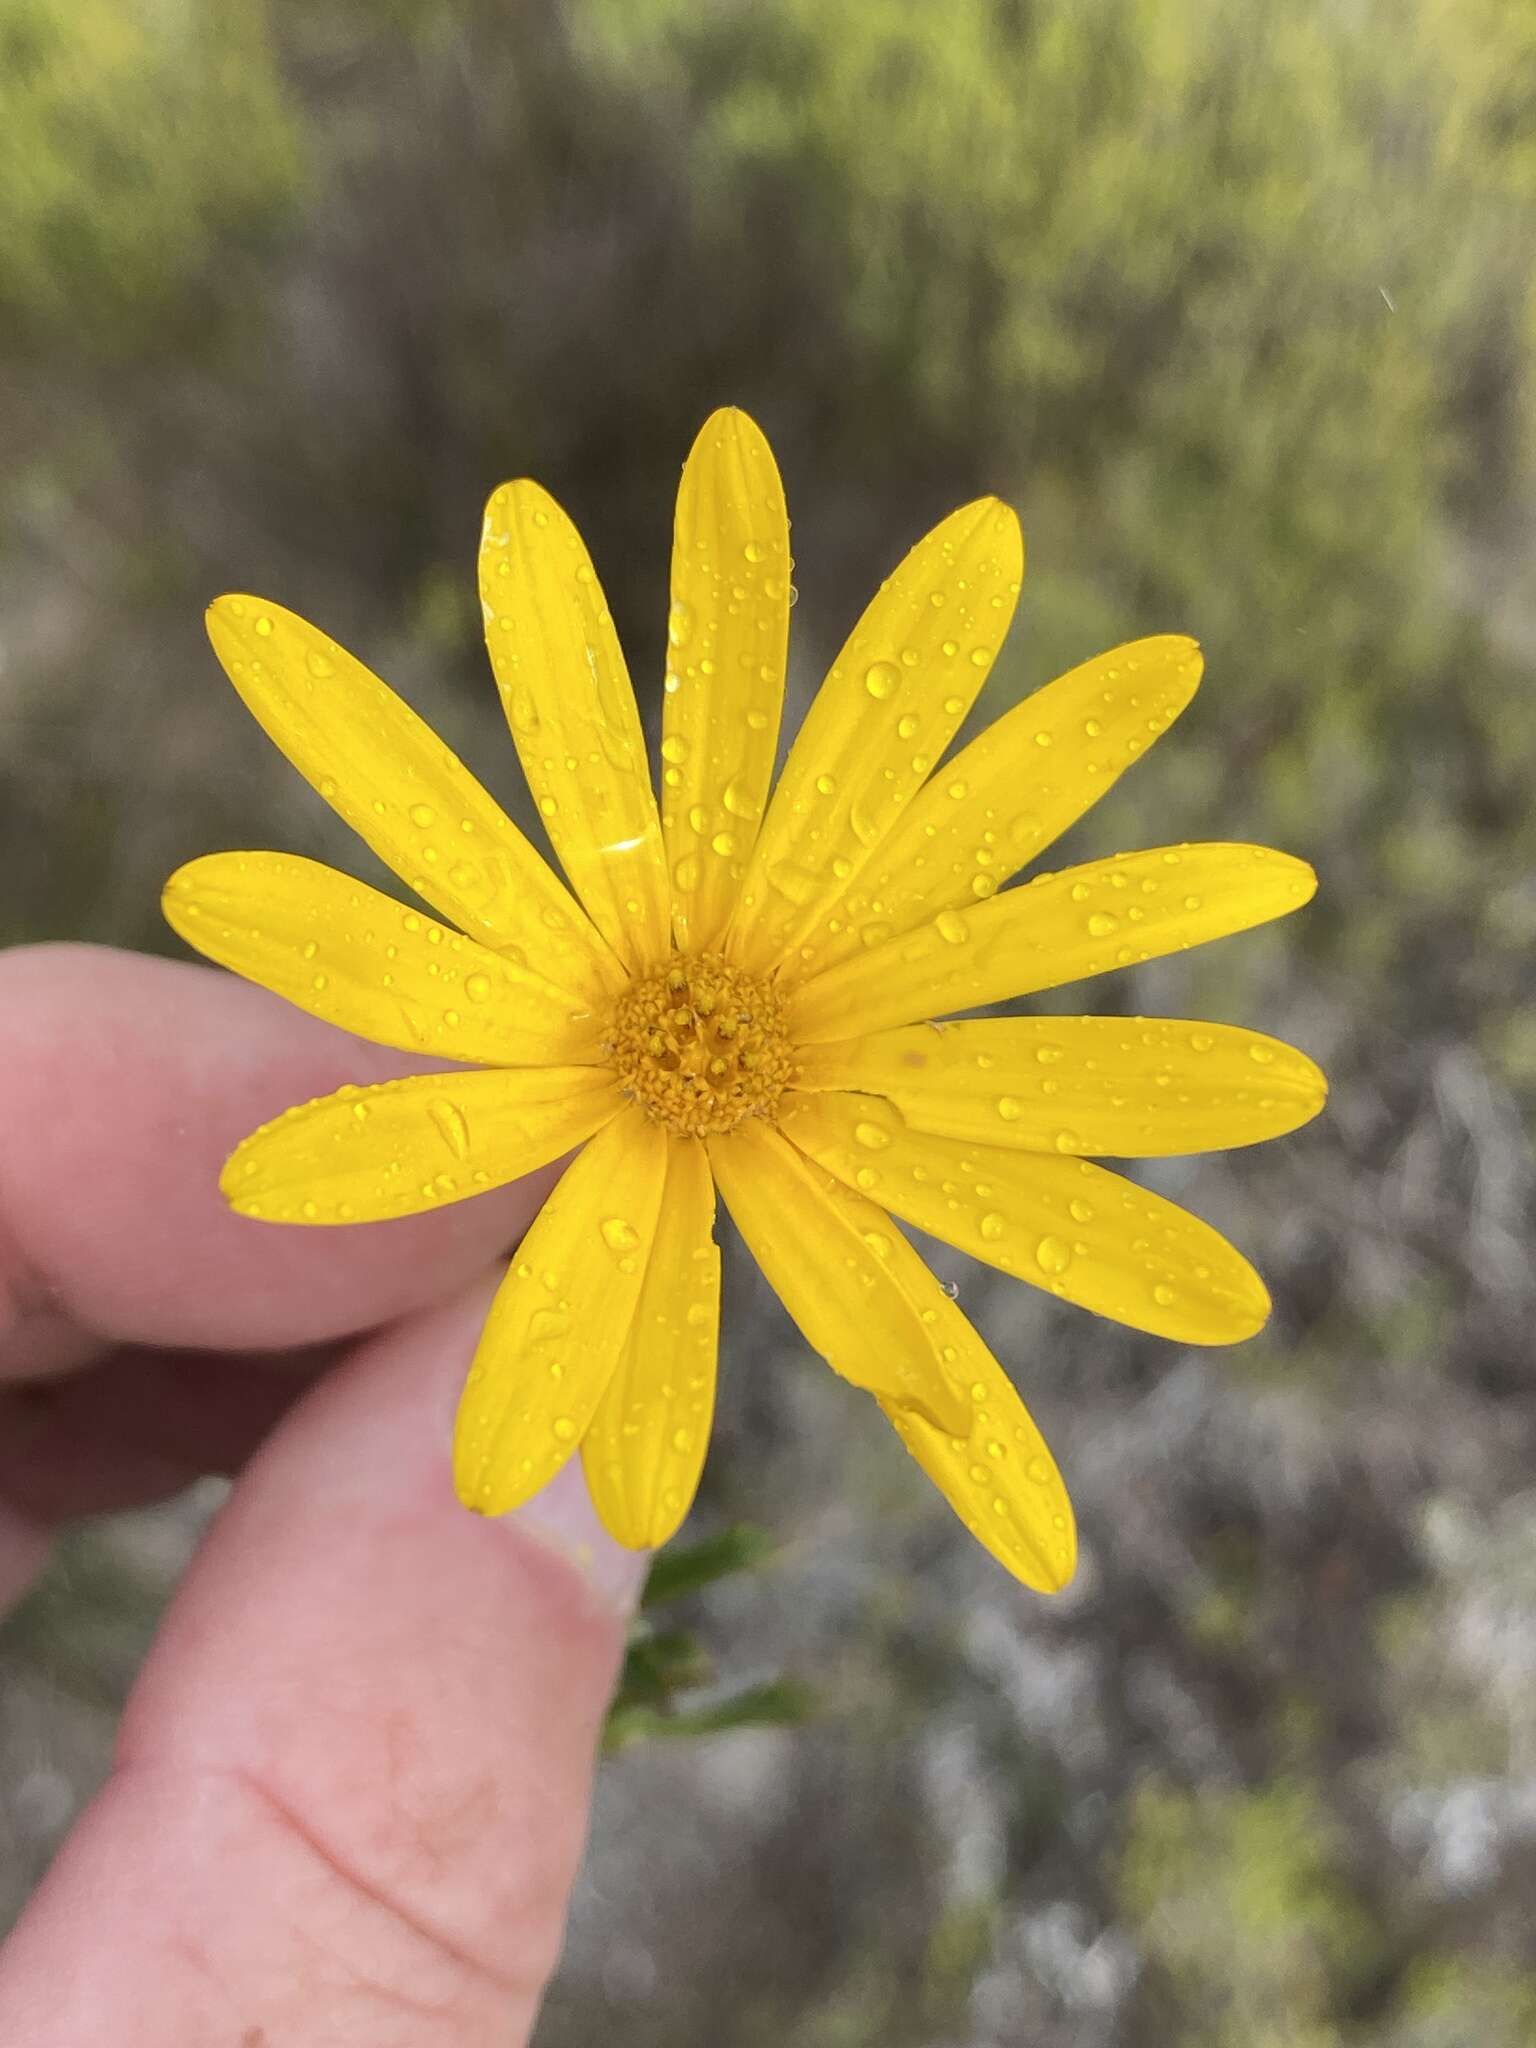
x=881, y=679
x=866, y=829
x=451, y=1125
x=679, y=623
x=797, y=883
x=1053, y=1255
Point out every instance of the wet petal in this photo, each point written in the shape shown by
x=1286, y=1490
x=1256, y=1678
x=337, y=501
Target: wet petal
x=561, y=1318
x=1002, y=800
x=400, y=789
x=1060, y=1223
x=365, y=1154
x=998, y=1475
x=845, y=1275
x=727, y=632
x=568, y=700
x=890, y=705
x=368, y=964
x=1059, y=928
x=1127, y=1087
x=645, y=1448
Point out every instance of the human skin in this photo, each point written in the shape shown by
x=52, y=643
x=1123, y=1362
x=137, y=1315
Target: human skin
x=350, y=1788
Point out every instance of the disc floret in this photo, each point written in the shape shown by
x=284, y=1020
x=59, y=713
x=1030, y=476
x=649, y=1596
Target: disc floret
x=701, y=1046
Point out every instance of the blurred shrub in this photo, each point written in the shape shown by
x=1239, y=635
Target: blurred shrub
x=1233, y=297
x=1241, y=1901
x=1458, y=2002
x=136, y=141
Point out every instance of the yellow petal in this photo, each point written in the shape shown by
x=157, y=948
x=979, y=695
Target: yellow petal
x=399, y=788
x=393, y=1150
x=1059, y=928
x=890, y=705
x=568, y=700
x=1129, y=1087
x=1057, y=1222
x=848, y=1279
x=726, y=637
x=1003, y=800
x=998, y=1474
x=561, y=1318
x=370, y=965
x=645, y=1448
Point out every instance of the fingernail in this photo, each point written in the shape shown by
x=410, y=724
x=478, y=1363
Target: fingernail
x=563, y=1519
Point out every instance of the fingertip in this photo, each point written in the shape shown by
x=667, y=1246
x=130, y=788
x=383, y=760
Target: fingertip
x=126, y=1084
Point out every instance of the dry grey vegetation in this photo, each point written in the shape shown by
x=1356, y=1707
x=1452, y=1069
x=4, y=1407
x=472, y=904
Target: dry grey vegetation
x=1233, y=310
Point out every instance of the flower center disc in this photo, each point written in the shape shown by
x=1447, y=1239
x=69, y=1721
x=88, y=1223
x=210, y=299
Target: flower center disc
x=700, y=1045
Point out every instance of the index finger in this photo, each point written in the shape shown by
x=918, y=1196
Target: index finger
x=124, y=1084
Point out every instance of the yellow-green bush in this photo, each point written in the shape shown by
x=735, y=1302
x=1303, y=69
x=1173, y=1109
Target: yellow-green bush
x=136, y=142
x=1232, y=297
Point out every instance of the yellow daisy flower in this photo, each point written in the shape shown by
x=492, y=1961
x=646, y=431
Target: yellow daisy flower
x=735, y=992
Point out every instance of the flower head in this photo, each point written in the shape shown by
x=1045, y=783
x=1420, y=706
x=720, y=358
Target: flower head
x=735, y=992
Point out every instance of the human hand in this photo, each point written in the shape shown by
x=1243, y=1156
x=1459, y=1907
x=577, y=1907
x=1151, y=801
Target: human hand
x=350, y=1786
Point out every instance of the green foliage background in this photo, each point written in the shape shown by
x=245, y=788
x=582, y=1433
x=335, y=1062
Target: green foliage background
x=1236, y=303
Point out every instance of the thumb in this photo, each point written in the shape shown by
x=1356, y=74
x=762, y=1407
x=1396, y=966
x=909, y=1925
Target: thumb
x=352, y=1782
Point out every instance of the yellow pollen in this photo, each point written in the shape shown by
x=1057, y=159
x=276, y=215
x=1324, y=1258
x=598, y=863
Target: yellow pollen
x=701, y=1046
